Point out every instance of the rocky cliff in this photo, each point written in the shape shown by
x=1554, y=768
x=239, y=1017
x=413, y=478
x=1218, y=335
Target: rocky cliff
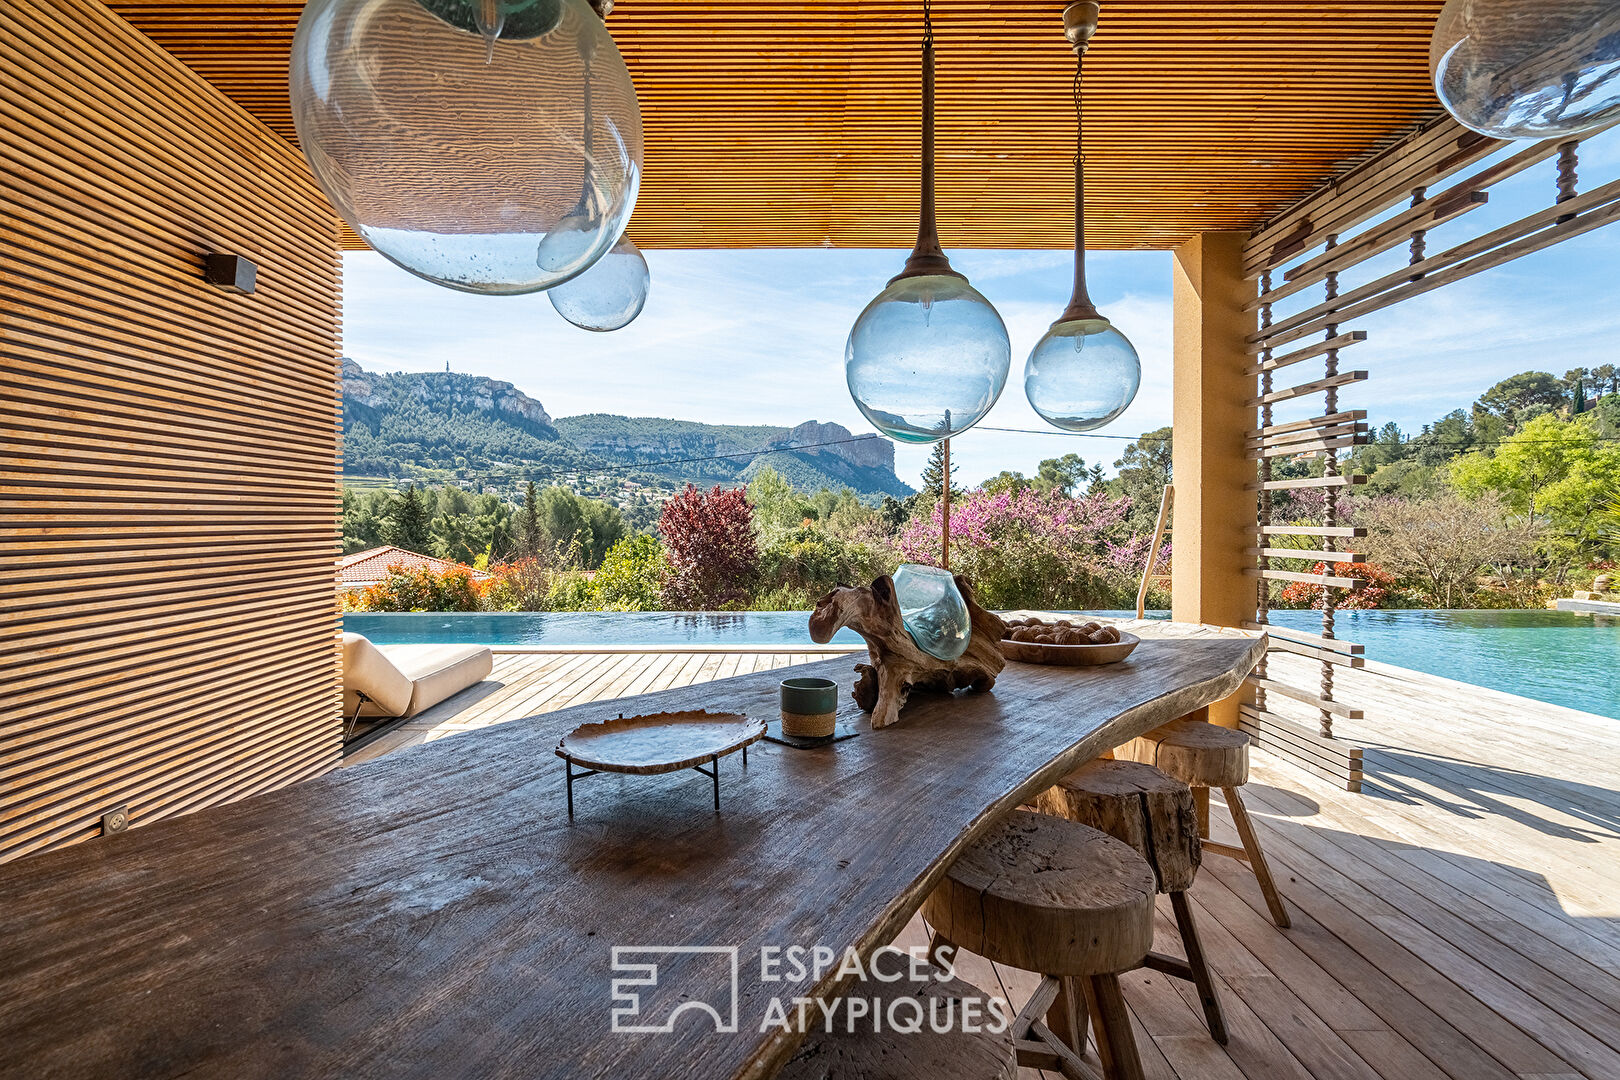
x=867, y=451
x=445, y=390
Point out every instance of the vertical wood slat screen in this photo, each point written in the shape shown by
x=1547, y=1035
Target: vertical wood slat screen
x=168, y=451
x=1439, y=174
x=1278, y=346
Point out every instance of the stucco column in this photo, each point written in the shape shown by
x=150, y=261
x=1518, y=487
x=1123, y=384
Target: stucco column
x=1213, y=512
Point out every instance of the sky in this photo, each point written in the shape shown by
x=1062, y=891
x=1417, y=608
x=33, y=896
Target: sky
x=757, y=337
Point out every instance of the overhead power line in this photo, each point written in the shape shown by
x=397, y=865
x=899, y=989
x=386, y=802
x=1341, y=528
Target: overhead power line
x=648, y=465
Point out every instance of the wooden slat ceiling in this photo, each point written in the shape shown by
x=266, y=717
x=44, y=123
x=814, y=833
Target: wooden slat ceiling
x=789, y=124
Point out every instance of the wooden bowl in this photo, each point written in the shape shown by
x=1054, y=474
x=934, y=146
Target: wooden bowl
x=1031, y=652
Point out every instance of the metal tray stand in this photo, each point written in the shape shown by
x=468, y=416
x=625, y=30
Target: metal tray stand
x=657, y=743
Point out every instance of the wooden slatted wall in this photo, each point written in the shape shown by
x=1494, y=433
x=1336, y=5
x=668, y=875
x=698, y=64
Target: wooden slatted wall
x=168, y=450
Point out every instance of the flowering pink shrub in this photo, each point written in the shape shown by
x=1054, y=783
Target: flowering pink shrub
x=1034, y=550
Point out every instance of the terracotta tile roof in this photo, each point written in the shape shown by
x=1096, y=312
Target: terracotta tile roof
x=366, y=567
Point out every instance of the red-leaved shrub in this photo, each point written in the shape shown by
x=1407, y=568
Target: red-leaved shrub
x=709, y=539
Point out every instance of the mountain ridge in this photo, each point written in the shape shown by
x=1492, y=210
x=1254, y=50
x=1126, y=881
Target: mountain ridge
x=452, y=426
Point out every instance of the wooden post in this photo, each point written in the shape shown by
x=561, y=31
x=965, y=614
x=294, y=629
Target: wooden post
x=1214, y=512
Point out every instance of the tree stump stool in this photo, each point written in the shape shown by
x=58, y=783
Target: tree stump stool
x=1203, y=756
x=874, y=1050
x=1155, y=814
x=1070, y=903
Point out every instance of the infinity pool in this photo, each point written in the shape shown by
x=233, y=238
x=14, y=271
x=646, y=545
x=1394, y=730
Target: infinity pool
x=1556, y=656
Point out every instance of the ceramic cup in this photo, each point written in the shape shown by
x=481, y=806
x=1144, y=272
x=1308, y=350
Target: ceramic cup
x=809, y=707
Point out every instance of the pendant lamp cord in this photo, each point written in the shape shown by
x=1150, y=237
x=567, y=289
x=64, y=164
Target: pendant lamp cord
x=1080, y=305
x=926, y=257
x=928, y=234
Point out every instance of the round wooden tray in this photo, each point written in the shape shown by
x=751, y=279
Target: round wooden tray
x=658, y=742
x=1031, y=652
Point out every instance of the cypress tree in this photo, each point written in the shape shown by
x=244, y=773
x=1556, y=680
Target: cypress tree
x=933, y=477
x=408, y=523
x=528, y=524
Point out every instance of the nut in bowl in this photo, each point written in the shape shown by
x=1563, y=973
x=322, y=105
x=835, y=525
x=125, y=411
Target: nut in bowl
x=1065, y=643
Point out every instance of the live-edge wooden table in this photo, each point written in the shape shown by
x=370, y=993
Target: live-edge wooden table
x=435, y=913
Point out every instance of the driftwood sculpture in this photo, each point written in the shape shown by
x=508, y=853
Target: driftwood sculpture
x=897, y=665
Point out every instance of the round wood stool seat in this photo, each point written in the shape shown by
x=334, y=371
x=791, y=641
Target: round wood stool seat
x=1070, y=903
x=1199, y=754
x=1203, y=756
x=1157, y=815
x=1048, y=895
x=868, y=1047
x=1139, y=805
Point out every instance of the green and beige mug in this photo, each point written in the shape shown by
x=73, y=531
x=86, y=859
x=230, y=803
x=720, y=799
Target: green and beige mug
x=809, y=707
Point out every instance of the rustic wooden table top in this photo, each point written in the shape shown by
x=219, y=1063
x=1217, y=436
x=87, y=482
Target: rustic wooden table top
x=436, y=914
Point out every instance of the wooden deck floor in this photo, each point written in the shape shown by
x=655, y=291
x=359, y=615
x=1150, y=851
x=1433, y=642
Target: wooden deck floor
x=1460, y=918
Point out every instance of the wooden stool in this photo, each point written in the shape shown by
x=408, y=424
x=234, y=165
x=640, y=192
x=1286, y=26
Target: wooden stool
x=1070, y=903
x=1155, y=814
x=1203, y=756
x=875, y=1051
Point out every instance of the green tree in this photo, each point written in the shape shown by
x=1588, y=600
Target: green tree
x=529, y=532
x=892, y=513
x=806, y=563
x=1554, y=472
x=779, y=508
x=365, y=517
x=632, y=575
x=933, y=477
x=1606, y=379
x=407, y=525
x=1142, y=473
x=573, y=521
x=1006, y=480
x=1521, y=398
x=1066, y=475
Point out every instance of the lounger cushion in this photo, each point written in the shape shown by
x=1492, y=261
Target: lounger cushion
x=438, y=671
x=367, y=671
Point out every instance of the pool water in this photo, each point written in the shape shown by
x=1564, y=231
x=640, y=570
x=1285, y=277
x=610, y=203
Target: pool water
x=1560, y=657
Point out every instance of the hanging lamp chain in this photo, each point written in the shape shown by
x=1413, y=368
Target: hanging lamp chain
x=927, y=257
x=1079, y=24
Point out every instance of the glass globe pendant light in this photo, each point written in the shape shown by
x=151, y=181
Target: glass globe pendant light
x=447, y=133
x=929, y=356
x=610, y=294
x=1083, y=372
x=1528, y=69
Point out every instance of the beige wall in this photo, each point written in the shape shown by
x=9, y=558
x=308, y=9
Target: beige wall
x=1213, y=512
x=169, y=528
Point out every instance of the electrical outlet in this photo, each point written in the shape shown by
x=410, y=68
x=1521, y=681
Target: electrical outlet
x=115, y=820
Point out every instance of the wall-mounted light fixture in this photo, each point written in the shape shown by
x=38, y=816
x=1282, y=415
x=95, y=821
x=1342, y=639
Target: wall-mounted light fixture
x=230, y=272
